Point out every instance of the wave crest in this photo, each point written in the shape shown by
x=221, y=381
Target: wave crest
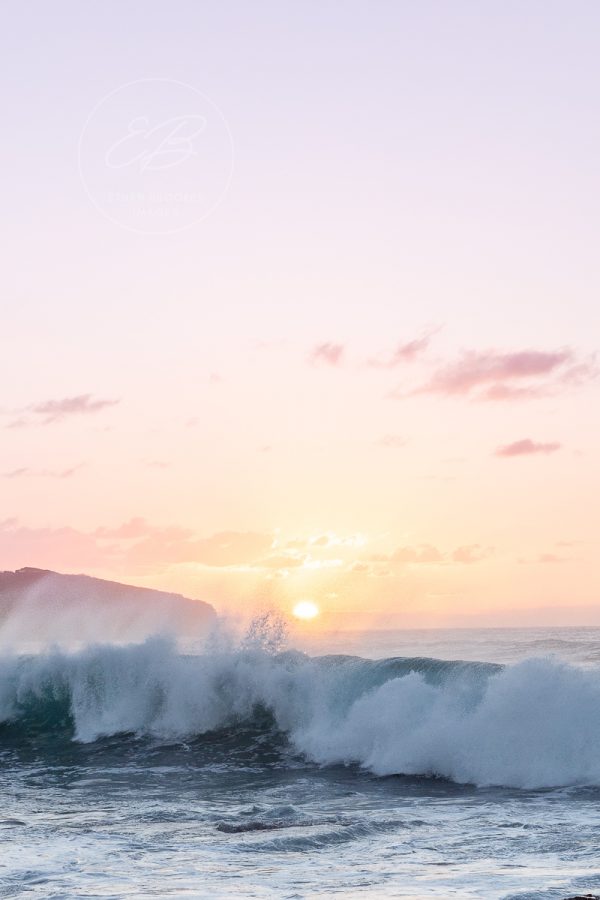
x=535, y=724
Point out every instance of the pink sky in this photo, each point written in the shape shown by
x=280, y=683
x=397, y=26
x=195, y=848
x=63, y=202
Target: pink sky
x=367, y=374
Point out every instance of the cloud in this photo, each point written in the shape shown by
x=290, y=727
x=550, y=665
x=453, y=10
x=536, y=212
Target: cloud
x=25, y=472
x=525, y=374
x=547, y=559
x=471, y=553
x=51, y=548
x=136, y=527
x=404, y=352
x=17, y=473
x=475, y=369
x=62, y=473
x=56, y=410
x=427, y=554
x=328, y=354
x=142, y=544
x=526, y=447
x=392, y=441
x=226, y=548
x=422, y=553
x=512, y=392
x=135, y=546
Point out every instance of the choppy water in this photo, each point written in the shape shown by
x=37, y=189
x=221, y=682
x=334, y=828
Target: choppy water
x=143, y=772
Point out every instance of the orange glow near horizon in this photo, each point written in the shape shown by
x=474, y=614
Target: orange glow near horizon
x=380, y=398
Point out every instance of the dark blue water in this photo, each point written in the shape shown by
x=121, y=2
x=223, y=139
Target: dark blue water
x=144, y=772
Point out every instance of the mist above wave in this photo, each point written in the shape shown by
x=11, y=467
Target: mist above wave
x=40, y=608
x=535, y=724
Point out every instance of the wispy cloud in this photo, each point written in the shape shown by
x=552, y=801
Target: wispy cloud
x=550, y=559
x=520, y=375
x=427, y=554
x=16, y=473
x=514, y=392
x=328, y=353
x=421, y=553
x=476, y=369
x=82, y=404
x=405, y=352
x=25, y=472
x=526, y=447
x=471, y=553
x=392, y=441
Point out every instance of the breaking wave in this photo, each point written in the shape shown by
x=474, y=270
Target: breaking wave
x=532, y=725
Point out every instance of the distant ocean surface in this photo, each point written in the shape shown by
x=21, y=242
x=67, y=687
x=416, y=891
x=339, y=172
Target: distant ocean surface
x=409, y=764
x=577, y=645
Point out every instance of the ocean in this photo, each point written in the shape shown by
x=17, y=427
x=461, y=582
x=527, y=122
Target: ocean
x=409, y=764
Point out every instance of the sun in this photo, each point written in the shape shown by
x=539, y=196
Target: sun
x=306, y=610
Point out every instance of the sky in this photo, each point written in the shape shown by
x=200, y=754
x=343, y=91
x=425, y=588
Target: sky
x=300, y=301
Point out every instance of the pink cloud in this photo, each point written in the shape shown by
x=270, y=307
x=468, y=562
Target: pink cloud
x=134, y=547
x=173, y=545
x=137, y=528
x=476, y=369
x=526, y=447
x=501, y=391
x=50, y=548
x=82, y=404
x=405, y=352
x=328, y=353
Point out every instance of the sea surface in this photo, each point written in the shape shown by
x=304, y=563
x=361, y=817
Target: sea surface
x=416, y=764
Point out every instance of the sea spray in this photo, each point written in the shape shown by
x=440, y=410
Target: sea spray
x=532, y=725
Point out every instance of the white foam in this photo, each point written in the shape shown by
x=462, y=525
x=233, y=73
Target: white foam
x=531, y=725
